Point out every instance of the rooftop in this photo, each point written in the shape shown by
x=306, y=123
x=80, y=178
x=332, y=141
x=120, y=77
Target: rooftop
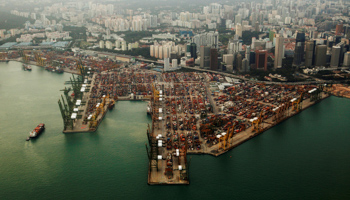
x=24, y=44
x=46, y=43
x=8, y=44
x=60, y=44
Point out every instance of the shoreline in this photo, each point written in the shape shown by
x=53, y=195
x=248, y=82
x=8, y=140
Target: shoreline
x=265, y=128
x=244, y=135
x=156, y=177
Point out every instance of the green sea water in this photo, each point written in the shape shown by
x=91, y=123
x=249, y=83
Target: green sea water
x=305, y=157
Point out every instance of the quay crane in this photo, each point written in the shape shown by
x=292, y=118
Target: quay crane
x=281, y=112
x=24, y=55
x=225, y=143
x=154, y=105
x=39, y=60
x=83, y=71
x=297, y=104
x=66, y=104
x=316, y=93
x=231, y=131
x=66, y=112
x=99, y=109
x=26, y=58
x=223, y=140
x=153, y=142
x=257, y=123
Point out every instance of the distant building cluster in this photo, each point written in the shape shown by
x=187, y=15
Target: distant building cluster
x=239, y=37
x=50, y=36
x=62, y=45
x=166, y=50
x=118, y=45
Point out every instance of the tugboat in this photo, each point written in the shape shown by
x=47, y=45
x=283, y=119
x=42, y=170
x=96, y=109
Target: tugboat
x=37, y=131
x=111, y=105
x=149, y=110
x=27, y=67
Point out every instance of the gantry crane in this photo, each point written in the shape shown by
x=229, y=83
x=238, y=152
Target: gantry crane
x=228, y=136
x=281, y=112
x=68, y=98
x=316, y=93
x=26, y=58
x=99, y=109
x=154, y=107
x=66, y=113
x=223, y=141
x=297, y=104
x=231, y=131
x=81, y=69
x=257, y=123
x=39, y=60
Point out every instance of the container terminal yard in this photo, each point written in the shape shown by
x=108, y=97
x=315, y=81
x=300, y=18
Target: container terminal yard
x=192, y=112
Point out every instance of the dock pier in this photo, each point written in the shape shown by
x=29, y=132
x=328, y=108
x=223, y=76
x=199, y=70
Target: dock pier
x=191, y=113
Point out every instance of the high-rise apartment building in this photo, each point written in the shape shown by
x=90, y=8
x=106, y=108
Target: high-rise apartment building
x=278, y=51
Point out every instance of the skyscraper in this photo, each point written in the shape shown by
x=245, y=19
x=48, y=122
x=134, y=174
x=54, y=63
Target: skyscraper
x=261, y=59
x=205, y=57
x=247, y=53
x=309, y=54
x=102, y=44
x=207, y=39
x=174, y=63
x=299, y=49
x=321, y=52
x=245, y=65
x=271, y=35
x=278, y=51
x=239, y=30
x=346, y=62
x=213, y=59
x=239, y=62
x=238, y=19
x=342, y=51
x=166, y=64
x=228, y=59
x=193, y=50
x=335, y=56
x=160, y=51
x=339, y=29
x=257, y=28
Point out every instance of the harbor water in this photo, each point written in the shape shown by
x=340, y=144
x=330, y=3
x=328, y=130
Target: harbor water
x=305, y=157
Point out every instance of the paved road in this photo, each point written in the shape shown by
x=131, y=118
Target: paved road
x=266, y=82
x=212, y=102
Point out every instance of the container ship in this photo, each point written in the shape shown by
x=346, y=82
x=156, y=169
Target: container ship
x=54, y=69
x=37, y=131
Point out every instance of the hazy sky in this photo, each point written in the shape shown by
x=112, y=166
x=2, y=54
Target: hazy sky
x=146, y=4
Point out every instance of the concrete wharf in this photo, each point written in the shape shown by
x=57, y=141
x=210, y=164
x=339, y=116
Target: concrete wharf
x=191, y=114
x=170, y=108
